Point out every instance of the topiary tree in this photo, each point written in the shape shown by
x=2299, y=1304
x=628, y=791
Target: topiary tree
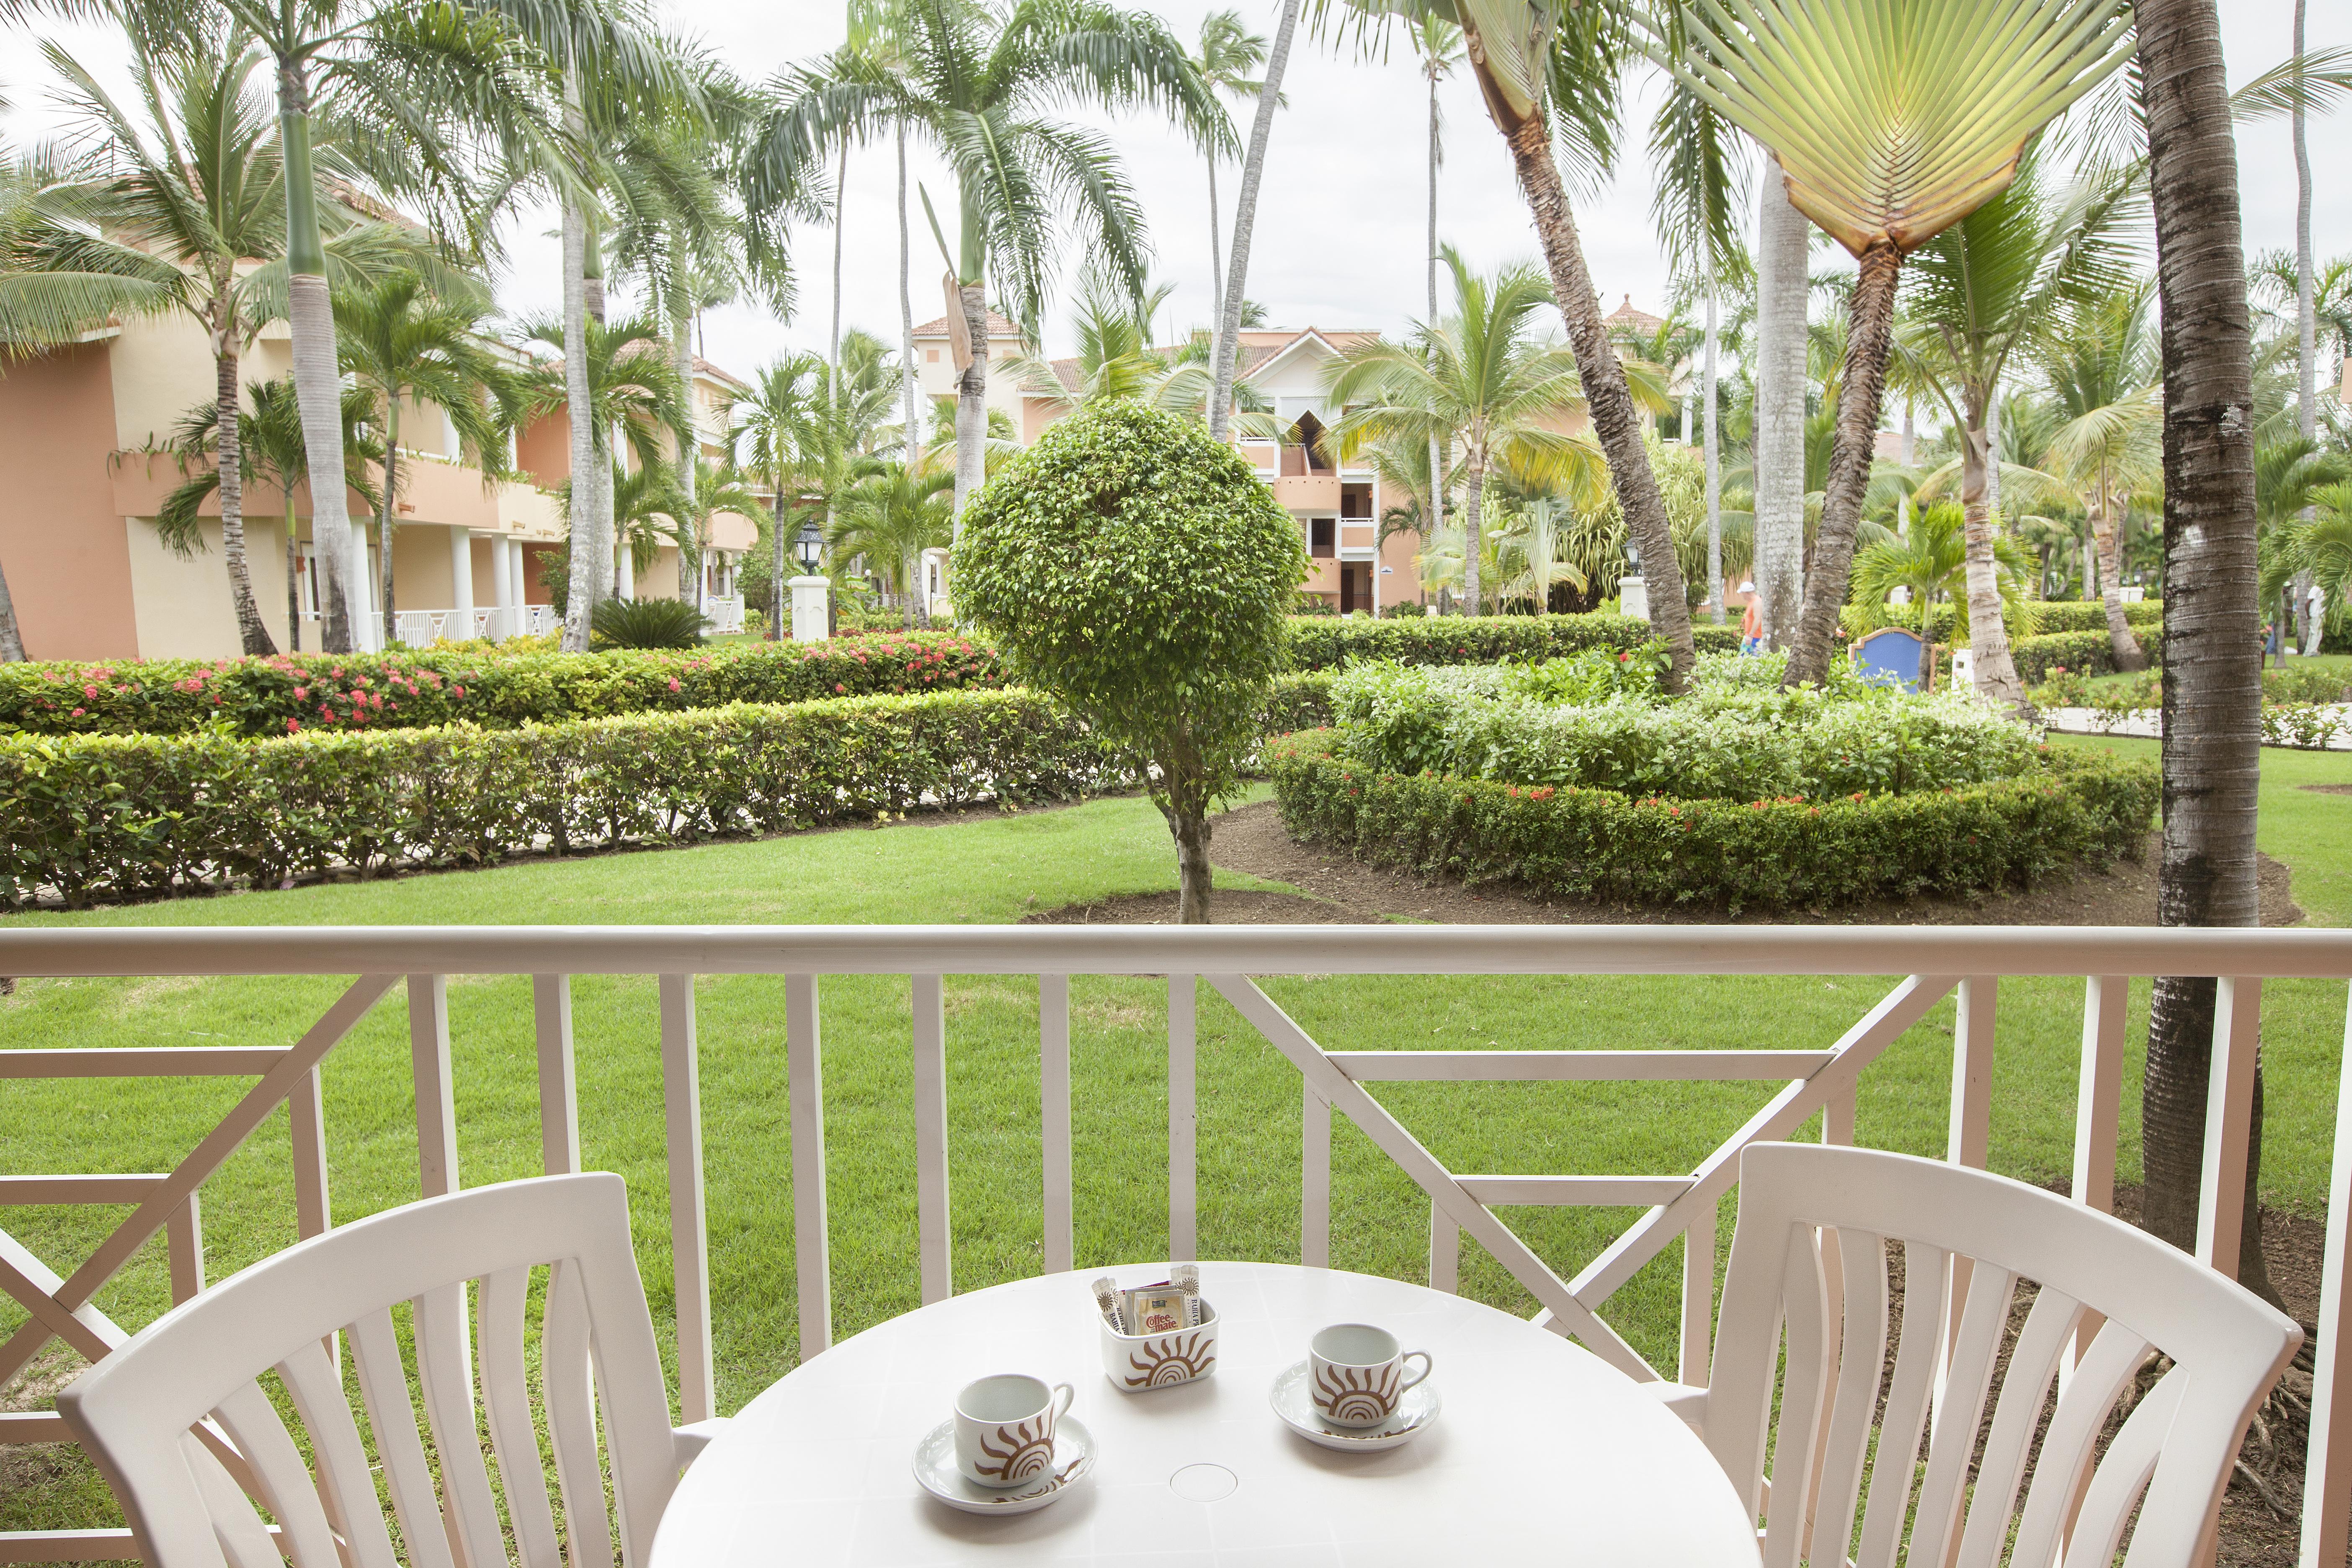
x=1139, y=572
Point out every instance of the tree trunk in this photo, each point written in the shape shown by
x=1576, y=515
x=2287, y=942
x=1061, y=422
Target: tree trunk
x=1780, y=433
x=689, y=455
x=1216, y=250
x=909, y=573
x=832, y=344
x=1615, y=420
x=1996, y=672
x=2213, y=651
x=293, y=572
x=1714, y=460
x=1226, y=351
x=580, y=601
x=12, y=641
x=1868, y=334
x=2105, y=538
x=318, y=383
x=776, y=568
x=1473, y=516
x=1190, y=830
x=2306, y=320
x=971, y=403
x=385, y=524
x=911, y=442
x=228, y=459
x=1429, y=268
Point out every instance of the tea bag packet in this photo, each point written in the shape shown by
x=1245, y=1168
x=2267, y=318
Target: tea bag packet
x=1186, y=1278
x=1155, y=1309
x=1107, y=1302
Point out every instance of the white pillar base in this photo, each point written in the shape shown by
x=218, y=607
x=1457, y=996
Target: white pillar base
x=810, y=596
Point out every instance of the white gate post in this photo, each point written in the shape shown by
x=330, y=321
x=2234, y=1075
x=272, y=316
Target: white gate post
x=809, y=601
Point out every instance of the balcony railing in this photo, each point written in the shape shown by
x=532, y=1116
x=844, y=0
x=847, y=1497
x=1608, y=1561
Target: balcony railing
x=726, y=615
x=1680, y=1206
x=419, y=628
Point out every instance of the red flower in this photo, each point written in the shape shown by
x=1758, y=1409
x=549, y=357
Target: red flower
x=77, y=712
x=293, y=726
x=673, y=683
x=302, y=694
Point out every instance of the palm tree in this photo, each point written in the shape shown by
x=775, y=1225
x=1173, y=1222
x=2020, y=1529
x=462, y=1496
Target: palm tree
x=1114, y=357
x=2103, y=375
x=410, y=346
x=1891, y=124
x=979, y=85
x=1930, y=559
x=781, y=421
x=632, y=388
x=1228, y=52
x=717, y=488
x=1783, y=239
x=1224, y=351
x=892, y=514
x=1983, y=294
x=1479, y=379
x=647, y=509
x=2288, y=477
x=1537, y=542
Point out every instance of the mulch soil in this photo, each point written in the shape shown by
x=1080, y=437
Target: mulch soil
x=2257, y=1530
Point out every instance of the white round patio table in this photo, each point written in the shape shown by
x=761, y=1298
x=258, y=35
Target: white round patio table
x=1543, y=1454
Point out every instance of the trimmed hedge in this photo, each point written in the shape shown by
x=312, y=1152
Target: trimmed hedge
x=2075, y=808
x=2091, y=616
x=111, y=817
x=2082, y=653
x=1320, y=644
x=296, y=693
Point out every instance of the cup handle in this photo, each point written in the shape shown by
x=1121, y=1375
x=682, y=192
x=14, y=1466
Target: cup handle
x=1427, y=1366
x=1063, y=1393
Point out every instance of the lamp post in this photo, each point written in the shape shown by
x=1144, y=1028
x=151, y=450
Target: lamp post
x=809, y=545
x=812, y=618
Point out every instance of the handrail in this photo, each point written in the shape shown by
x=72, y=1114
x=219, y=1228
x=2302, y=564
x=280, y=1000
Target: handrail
x=2266, y=953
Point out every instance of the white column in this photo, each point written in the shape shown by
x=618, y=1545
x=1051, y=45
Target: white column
x=367, y=615
x=502, y=587
x=521, y=580
x=625, y=573
x=461, y=585
x=809, y=617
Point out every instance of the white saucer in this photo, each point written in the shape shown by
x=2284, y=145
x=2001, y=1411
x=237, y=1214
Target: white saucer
x=1415, y=1413
x=935, y=1468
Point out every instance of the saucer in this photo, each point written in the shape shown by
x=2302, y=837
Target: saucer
x=1416, y=1412
x=935, y=1468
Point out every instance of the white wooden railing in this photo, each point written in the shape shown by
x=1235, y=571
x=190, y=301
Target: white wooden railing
x=1681, y=1205
x=726, y=615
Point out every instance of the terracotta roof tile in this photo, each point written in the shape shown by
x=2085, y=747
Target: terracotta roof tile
x=998, y=327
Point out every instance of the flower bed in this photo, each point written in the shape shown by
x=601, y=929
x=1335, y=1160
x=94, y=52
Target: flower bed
x=2069, y=808
x=110, y=817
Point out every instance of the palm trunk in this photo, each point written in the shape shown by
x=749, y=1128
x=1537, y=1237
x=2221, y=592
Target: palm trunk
x=229, y=468
x=832, y=345
x=1780, y=435
x=1473, y=502
x=2306, y=320
x=1226, y=351
x=1429, y=270
x=1217, y=249
x=12, y=641
x=910, y=573
x=689, y=455
x=293, y=573
x=1996, y=672
x=776, y=568
x=2105, y=536
x=2212, y=618
x=580, y=601
x=1615, y=420
x=910, y=444
x=1871, y=329
x=1714, y=460
x=317, y=384
x=972, y=402
x=384, y=525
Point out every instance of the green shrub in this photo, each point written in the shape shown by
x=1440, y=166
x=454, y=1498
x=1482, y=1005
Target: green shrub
x=2072, y=807
x=1328, y=644
x=2079, y=653
x=101, y=818
x=1142, y=573
x=2300, y=682
x=291, y=693
x=647, y=623
x=2091, y=616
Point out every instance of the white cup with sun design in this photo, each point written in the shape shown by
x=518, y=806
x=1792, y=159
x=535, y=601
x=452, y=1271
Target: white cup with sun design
x=1136, y=1363
x=1005, y=1428
x=1358, y=1374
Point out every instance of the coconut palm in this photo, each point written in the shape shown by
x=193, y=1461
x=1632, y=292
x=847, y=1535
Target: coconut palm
x=2321, y=548
x=412, y=347
x=1931, y=560
x=1228, y=52
x=632, y=388
x=2104, y=376
x=777, y=430
x=1480, y=379
x=1224, y=350
x=979, y=85
x=177, y=198
x=1535, y=545
x=891, y=513
x=718, y=487
x=1890, y=124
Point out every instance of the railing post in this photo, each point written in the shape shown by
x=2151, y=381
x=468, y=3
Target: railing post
x=934, y=1238
x=2098, y=1092
x=306, y=1130
x=183, y=1240
x=689, y=1236
x=1053, y=1114
x=1697, y=1350
x=2327, y=1463
x=1313, y=1179
x=1183, y=1228
x=559, y=1089
x=1969, y=1137
x=437, y=1105
x=2229, y=1118
x=805, y=1073
x=1444, y=1252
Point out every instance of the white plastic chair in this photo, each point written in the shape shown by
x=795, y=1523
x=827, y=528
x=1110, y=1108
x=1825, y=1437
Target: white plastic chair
x=134, y=1410
x=1810, y=1253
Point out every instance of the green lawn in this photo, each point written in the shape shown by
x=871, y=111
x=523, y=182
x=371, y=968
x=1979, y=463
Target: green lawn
x=992, y=869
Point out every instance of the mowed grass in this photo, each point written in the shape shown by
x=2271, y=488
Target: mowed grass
x=993, y=868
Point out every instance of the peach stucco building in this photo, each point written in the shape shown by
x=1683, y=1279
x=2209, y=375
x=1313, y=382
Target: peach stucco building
x=84, y=434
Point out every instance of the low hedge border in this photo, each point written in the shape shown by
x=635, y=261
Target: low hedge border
x=2079, y=807
x=106, y=817
x=1328, y=643
x=2085, y=653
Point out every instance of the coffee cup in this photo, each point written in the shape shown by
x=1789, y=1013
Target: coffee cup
x=1358, y=1374
x=1005, y=1428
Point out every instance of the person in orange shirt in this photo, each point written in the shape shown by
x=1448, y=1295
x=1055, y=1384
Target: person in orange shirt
x=1751, y=624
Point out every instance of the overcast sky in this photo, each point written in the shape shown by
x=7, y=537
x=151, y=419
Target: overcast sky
x=1341, y=220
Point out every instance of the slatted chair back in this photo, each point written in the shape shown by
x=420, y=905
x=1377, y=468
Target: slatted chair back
x=1810, y=1253
x=133, y=1410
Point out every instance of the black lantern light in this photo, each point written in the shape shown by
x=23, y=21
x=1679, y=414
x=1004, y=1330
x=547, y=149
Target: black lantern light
x=809, y=546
